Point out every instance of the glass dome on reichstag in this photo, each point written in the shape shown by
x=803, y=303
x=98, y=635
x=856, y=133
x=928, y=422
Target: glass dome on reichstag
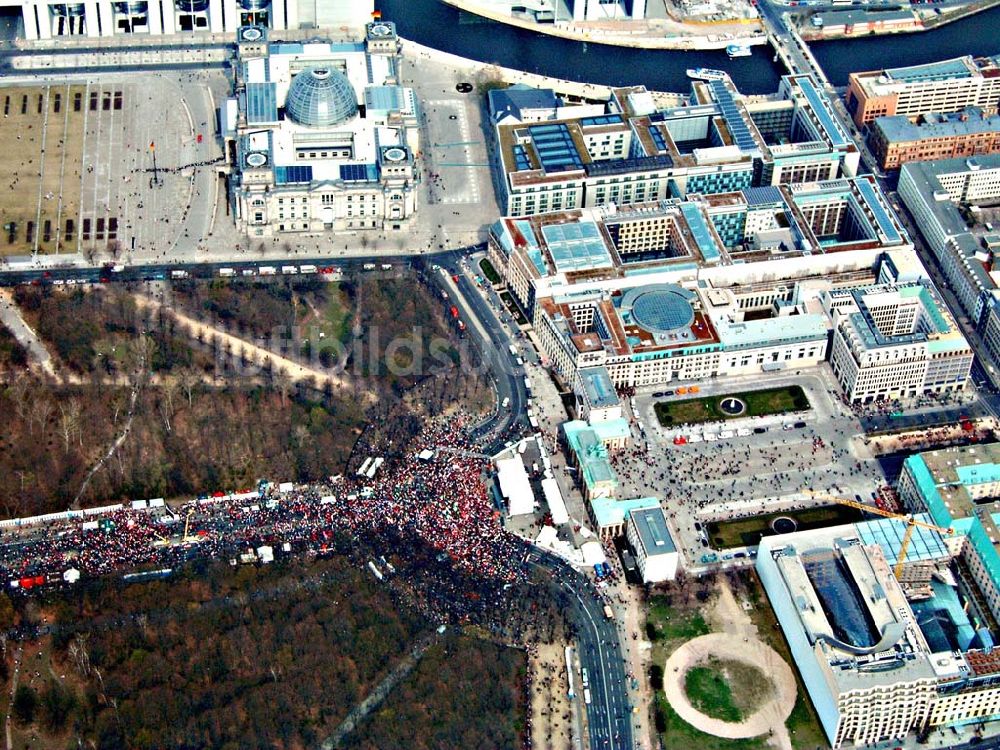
x=320, y=97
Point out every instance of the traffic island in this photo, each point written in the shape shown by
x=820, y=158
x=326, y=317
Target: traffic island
x=709, y=673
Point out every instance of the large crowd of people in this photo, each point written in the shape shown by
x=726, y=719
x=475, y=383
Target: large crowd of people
x=438, y=506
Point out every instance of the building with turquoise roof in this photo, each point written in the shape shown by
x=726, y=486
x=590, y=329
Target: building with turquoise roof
x=959, y=487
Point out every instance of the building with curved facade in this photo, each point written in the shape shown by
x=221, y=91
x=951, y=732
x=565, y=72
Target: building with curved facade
x=321, y=136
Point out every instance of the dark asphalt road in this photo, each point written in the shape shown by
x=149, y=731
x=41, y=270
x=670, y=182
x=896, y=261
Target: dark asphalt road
x=609, y=714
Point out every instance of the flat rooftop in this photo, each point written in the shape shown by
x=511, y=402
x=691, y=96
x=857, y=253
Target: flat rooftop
x=653, y=532
x=971, y=121
x=959, y=476
x=598, y=387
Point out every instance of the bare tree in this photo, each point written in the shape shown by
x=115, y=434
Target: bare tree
x=282, y=383
x=69, y=421
x=188, y=378
x=79, y=655
x=41, y=411
x=167, y=392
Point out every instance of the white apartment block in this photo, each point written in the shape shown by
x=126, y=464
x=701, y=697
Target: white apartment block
x=656, y=555
x=895, y=341
x=102, y=18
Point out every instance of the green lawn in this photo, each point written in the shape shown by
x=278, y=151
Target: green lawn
x=672, y=623
x=710, y=692
x=337, y=316
x=743, y=532
x=707, y=409
x=677, y=734
x=489, y=271
x=727, y=690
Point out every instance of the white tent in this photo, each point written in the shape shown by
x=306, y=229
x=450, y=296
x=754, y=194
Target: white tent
x=515, y=487
x=557, y=506
x=593, y=553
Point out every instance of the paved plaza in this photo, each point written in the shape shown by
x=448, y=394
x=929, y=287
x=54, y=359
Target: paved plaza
x=80, y=168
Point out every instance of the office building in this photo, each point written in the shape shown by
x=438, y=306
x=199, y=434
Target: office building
x=545, y=254
x=881, y=658
x=936, y=193
x=946, y=86
x=103, y=18
x=895, y=341
x=933, y=192
x=634, y=153
x=322, y=136
x=597, y=400
x=958, y=487
x=655, y=553
x=854, y=639
x=897, y=140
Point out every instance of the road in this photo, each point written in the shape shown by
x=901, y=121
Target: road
x=10, y=316
x=492, y=340
x=609, y=715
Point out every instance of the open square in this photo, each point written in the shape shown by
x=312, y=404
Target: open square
x=43, y=129
x=77, y=175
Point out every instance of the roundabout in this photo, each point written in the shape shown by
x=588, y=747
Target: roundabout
x=774, y=708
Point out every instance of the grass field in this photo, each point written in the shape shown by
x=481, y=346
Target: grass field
x=725, y=689
x=671, y=623
x=677, y=734
x=707, y=409
x=668, y=626
x=43, y=130
x=743, y=532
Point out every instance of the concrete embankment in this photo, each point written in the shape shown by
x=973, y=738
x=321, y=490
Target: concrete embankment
x=644, y=34
x=479, y=71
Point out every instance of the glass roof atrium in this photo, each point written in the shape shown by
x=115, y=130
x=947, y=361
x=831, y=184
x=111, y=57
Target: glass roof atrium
x=320, y=97
x=840, y=598
x=577, y=246
x=658, y=308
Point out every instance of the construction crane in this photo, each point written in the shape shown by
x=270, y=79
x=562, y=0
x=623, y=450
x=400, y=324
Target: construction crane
x=911, y=524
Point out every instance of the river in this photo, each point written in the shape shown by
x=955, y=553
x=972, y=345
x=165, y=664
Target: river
x=438, y=25
x=974, y=35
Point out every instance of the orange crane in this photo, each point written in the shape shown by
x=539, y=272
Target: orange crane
x=911, y=524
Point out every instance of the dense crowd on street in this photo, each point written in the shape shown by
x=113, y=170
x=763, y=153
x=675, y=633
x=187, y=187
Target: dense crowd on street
x=439, y=506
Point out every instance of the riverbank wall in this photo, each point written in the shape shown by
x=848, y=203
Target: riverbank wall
x=925, y=20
